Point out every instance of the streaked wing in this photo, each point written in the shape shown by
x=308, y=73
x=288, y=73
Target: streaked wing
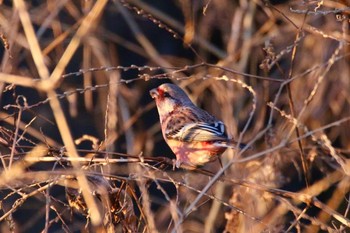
x=199, y=131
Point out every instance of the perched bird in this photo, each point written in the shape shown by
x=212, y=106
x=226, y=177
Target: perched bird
x=195, y=136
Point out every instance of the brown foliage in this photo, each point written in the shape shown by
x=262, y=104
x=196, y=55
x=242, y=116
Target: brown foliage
x=81, y=148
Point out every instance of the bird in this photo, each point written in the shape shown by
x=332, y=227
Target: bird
x=195, y=136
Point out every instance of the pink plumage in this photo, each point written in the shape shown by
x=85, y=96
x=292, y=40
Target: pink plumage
x=195, y=136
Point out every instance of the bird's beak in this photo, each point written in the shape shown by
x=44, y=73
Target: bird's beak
x=154, y=93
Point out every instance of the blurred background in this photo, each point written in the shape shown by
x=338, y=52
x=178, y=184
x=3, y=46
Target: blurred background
x=79, y=73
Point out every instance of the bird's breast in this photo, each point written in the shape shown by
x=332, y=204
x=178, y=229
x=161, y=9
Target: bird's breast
x=195, y=153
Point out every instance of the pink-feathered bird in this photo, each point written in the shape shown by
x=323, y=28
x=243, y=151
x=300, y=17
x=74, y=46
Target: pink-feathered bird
x=195, y=136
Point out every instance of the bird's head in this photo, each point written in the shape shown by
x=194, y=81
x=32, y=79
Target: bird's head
x=169, y=96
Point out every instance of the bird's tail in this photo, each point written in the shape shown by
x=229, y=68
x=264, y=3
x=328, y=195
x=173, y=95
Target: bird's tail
x=232, y=144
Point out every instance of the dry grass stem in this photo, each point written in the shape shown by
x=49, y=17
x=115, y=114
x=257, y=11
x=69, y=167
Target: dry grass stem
x=81, y=147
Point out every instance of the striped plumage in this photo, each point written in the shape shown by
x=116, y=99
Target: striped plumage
x=195, y=136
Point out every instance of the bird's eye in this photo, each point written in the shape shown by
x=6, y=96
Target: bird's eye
x=166, y=95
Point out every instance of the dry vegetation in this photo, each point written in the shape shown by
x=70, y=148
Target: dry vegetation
x=81, y=148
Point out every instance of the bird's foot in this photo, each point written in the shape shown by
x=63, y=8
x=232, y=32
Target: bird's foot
x=176, y=163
